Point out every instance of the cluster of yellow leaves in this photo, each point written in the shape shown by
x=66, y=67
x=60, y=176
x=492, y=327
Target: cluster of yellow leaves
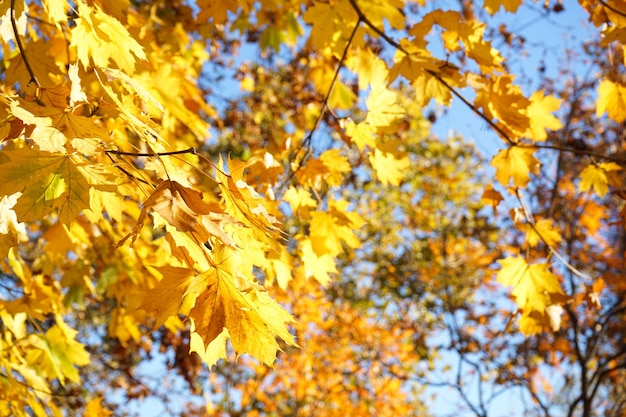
x=108, y=83
x=537, y=292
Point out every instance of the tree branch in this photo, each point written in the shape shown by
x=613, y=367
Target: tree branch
x=18, y=41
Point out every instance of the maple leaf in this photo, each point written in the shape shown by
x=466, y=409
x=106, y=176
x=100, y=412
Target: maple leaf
x=329, y=229
x=317, y=266
x=611, y=99
x=598, y=176
x=217, y=10
x=382, y=106
x=542, y=230
x=534, y=286
x=167, y=298
x=94, y=408
x=47, y=181
x=515, y=163
x=379, y=10
x=8, y=218
x=56, y=353
x=369, y=67
x=362, y=134
x=331, y=24
x=56, y=11
x=391, y=166
x=491, y=197
x=503, y=100
x=412, y=64
x=100, y=37
x=253, y=320
x=185, y=209
x=493, y=6
x=300, y=200
x=539, y=111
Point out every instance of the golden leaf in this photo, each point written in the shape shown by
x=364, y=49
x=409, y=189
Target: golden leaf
x=611, y=99
x=534, y=286
x=102, y=38
x=515, y=163
x=252, y=318
x=598, y=176
x=492, y=6
x=491, y=197
x=539, y=111
x=542, y=230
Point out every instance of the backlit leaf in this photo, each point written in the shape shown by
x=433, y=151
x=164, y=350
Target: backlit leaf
x=515, y=163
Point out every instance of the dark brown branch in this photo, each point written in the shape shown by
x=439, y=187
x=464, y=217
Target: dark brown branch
x=577, y=152
x=18, y=41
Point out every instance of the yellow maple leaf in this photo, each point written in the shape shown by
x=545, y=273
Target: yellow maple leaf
x=56, y=11
x=611, y=99
x=379, y=10
x=94, y=408
x=534, y=286
x=515, y=163
x=57, y=353
x=493, y=6
x=300, y=200
x=368, y=66
x=102, y=38
x=427, y=87
x=362, y=134
x=504, y=101
x=47, y=181
x=533, y=321
x=542, y=230
x=331, y=24
x=337, y=165
x=329, y=229
x=491, y=197
x=169, y=297
x=539, y=112
x=317, y=266
x=390, y=167
x=382, y=106
x=8, y=219
x=598, y=176
x=217, y=10
x=412, y=64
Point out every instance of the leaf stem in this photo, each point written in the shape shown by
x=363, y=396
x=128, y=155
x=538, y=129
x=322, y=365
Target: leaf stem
x=18, y=41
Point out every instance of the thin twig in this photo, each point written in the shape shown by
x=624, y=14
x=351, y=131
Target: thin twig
x=152, y=154
x=552, y=250
x=306, y=143
x=18, y=41
x=576, y=151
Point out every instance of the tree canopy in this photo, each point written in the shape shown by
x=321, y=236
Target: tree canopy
x=251, y=194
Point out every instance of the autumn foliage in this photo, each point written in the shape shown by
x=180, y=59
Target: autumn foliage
x=252, y=192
